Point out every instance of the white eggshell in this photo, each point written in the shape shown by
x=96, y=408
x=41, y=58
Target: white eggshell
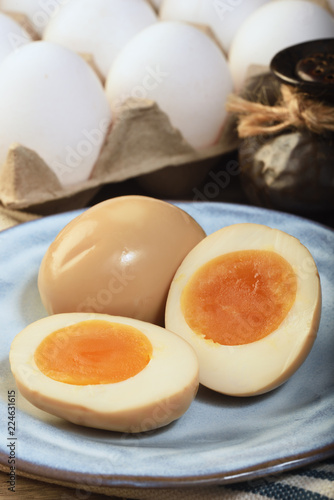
x=52, y=102
x=180, y=68
x=12, y=36
x=38, y=12
x=159, y=394
x=274, y=27
x=260, y=366
x=224, y=18
x=100, y=28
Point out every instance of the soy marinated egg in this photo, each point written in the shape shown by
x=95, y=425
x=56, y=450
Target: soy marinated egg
x=118, y=257
x=105, y=372
x=248, y=299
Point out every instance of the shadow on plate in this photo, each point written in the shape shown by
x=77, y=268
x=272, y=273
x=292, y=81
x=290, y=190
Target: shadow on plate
x=122, y=438
x=213, y=398
x=30, y=304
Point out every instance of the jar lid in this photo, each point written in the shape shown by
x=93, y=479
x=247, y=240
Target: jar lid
x=308, y=66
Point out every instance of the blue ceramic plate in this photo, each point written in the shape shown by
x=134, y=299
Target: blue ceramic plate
x=220, y=439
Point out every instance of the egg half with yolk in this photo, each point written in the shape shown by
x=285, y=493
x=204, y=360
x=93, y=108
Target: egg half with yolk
x=106, y=372
x=248, y=299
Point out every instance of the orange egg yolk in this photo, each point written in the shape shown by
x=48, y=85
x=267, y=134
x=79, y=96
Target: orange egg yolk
x=239, y=297
x=93, y=352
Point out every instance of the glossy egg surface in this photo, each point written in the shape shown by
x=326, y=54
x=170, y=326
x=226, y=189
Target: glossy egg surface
x=118, y=257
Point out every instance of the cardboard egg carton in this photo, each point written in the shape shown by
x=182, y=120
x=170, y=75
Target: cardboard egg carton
x=141, y=141
x=141, y=144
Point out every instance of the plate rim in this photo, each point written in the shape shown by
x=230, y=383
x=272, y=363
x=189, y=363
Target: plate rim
x=251, y=473
x=228, y=205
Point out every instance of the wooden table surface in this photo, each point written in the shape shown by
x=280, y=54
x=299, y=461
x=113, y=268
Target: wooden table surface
x=29, y=489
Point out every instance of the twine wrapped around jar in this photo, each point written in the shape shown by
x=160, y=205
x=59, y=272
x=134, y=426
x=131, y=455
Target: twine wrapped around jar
x=294, y=109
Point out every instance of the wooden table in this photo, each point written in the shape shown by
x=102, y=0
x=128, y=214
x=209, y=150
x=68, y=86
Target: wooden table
x=29, y=489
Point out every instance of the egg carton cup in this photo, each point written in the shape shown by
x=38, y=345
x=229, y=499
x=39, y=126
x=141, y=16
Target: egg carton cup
x=141, y=144
x=24, y=22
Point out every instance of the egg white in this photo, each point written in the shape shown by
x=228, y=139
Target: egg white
x=156, y=396
x=260, y=366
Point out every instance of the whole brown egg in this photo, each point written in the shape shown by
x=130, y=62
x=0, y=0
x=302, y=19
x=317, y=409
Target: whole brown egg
x=118, y=257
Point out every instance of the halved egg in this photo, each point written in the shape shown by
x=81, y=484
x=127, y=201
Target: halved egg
x=106, y=372
x=248, y=299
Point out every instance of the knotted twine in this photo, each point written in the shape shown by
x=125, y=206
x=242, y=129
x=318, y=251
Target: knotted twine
x=294, y=109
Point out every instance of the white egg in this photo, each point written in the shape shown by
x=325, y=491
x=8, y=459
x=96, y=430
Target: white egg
x=274, y=27
x=38, y=12
x=12, y=36
x=105, y=371
x=248, y=299
x=224, y=18
x=52, y=102
x=180, y=68
x=100, y=27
